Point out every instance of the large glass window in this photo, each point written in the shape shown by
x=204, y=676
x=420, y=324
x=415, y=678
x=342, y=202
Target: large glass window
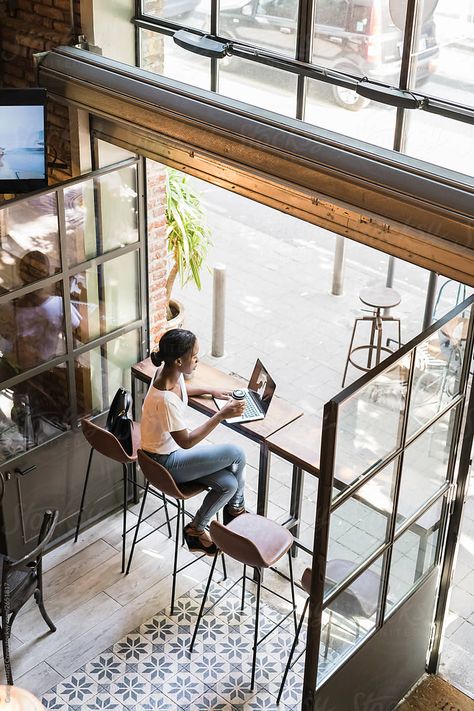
x=41, y=326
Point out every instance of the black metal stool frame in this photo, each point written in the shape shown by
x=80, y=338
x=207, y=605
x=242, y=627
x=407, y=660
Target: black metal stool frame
x=259, y=584
x=180, y=517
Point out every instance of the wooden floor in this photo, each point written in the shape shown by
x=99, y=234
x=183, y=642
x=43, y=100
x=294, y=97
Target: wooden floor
x=435, y=694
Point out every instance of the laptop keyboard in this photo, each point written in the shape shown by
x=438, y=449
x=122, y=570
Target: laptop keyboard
x=251, y=409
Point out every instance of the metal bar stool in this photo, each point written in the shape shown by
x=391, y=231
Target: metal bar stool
x=159, y=479
x=377, y=299
x=104, y=442
x=360, y=599
x=258, y=542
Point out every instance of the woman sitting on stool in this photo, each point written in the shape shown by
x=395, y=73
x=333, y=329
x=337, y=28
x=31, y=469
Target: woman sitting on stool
x=166, y=438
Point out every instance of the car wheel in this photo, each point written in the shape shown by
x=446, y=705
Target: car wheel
x=349, y=99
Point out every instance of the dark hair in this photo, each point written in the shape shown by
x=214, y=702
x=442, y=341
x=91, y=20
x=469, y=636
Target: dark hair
x=173, y=344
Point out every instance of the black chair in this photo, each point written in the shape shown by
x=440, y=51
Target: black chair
x=20, y=580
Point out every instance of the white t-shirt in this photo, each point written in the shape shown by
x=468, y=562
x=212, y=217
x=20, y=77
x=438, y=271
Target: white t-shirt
x=163, y=412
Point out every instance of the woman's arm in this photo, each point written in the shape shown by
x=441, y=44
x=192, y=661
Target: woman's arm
x=193, y=391
x=187, y=439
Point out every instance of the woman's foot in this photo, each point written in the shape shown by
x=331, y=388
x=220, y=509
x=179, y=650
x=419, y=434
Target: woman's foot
x=199, y=541
x=229, y=513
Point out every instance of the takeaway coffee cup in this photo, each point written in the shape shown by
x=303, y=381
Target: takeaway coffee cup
x=238, y=394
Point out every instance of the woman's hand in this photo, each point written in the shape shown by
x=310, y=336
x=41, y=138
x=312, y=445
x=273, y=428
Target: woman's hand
x=232, y=408
x=220, y=394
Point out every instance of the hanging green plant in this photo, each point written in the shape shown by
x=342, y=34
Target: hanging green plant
x=189, y=237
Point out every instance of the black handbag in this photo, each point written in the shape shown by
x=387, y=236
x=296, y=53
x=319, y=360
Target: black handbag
x=119, y=421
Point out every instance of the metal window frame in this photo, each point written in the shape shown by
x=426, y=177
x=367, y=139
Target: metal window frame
x=325, y=505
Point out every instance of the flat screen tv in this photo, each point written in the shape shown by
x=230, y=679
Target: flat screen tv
x=23, y=159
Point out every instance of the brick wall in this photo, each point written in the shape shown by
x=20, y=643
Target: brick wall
x=37, y=26
x=157, y=249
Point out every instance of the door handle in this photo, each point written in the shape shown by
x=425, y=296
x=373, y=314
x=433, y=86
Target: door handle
x=22, y=472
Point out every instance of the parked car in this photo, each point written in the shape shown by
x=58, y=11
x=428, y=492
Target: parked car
x=357, y=37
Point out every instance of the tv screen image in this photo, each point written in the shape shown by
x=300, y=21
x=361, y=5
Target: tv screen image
x=22, y=140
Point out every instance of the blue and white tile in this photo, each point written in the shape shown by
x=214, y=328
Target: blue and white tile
x=278, y=646
x=79, y=688
x=133, y=648
x=105, y=668
x=52, y=701
x=103, y=700
x=159, y=629
x=216, y=591
x=292, y=691
x=184, y=689
x=234, y=688
x=185, y=611
x=274, y=615
x=229, y=610
x=158, y=668
x=131, y=690
x=209, y=668
x=178, y=648
x=157, y=702
x=234, y=648
x=211, y=702
x=211, y=629
x=266, y=668
x=247, y=628
x=263, y=701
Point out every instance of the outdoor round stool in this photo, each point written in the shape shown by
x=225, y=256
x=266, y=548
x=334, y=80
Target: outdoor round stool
x=257, y=542
x=160, y=482
x=376, y=299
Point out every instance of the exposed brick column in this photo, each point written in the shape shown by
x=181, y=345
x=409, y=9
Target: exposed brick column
x=157, y=249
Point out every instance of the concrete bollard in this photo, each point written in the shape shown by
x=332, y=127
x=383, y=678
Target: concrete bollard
x=338, y=271
x=218, y=311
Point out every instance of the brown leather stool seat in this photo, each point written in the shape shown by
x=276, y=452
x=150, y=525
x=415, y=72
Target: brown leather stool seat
x=104, y=442
x=258, y=542
x=158, y=479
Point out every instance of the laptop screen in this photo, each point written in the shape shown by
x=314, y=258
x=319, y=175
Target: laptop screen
x=262, y=384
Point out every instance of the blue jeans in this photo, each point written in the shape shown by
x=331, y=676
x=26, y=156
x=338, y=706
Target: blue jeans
x=221, y=467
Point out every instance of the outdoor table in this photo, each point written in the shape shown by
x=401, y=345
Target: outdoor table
x=279, y=415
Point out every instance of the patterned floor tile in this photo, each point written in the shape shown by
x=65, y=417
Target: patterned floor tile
x=131, y=690
x=211, y=629
x=263, y=701
x=133, y=648
x=209, y=667
x=234, y=688
x=246, y=629
x=229, y=610
x=51, y=700
x=266, y=668
x=159, y=629
x=185, y=611
x=215, y=591
x=157, y=701
x=105, y=668
x=103, y=700
x=158, y=668
x=211, y=702
x=278, y=646
x=234, y=648
x=184, y=689
x=79, y=688
x=178, y=648
x=292, y=691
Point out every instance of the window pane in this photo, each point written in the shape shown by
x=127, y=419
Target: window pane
x=106, y=296
x=359, y=38
x=33, y=412
x=193, y=13
x=437, y=373
x=159, y=54
x=446, y=42
x=441, y=141
x=425, y=466
x=349, y=618
x=270, y=24
x=28, y=227
x=344, y=111
x=101, y=371
x=109, y=154
x=261, y=86
x=116, y=195
x=369, y=425
x=32, y=330
x=413, y=554
x=359, y=526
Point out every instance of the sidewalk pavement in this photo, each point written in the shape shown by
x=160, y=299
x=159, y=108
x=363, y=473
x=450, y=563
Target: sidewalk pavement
x=279, y=308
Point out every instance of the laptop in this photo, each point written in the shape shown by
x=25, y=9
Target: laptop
x=258, y=396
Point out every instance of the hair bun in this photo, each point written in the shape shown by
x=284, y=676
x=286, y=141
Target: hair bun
x=156, y=358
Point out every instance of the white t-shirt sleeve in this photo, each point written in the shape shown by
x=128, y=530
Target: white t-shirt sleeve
x=174, y=416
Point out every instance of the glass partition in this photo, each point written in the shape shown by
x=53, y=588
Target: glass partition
x=388, y=465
